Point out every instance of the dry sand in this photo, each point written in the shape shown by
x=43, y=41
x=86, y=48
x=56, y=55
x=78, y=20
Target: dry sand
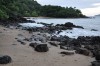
x=24, y=55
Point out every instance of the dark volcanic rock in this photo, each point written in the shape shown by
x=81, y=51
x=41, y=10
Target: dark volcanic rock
x=5, y=59
x=67, y=53
x=32, y=45
x=94, y=30
x=60, y=39
x=42, y=48
x=68, y=25
x=22, y=42
x=63, y=47
x=39, y=47
x=97, y=55
x=14, y=21
x=83, y=51
x=96, y=63
x=54, y=43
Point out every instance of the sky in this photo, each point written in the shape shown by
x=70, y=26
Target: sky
x=88, y=7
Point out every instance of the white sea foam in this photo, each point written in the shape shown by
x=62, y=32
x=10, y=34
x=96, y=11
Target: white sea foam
x=31, y=25
x=88, y=24
x=75, y=32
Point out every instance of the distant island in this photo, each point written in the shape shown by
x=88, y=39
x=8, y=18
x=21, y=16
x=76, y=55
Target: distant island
x=31, y=8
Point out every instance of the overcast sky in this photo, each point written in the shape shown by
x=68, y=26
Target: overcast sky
x=88, y=7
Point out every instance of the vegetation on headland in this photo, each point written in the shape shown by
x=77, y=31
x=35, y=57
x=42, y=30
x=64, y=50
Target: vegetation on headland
x=31, y=8
x=61, y=12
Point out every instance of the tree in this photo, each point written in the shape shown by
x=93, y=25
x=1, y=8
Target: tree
x=3, y=15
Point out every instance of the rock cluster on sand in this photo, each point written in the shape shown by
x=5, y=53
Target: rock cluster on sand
x=82, y=45
x=42, y=36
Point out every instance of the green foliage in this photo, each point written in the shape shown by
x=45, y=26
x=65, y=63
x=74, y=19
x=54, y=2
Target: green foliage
x=18, y=8
x=3, y=15
x=34, y=14
x=30, y=8
x=60, y=12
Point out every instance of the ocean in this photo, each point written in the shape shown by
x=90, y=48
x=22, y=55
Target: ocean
x=87, y=23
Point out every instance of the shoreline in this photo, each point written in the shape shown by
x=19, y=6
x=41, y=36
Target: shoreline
x=39, y=46
x=25, y=55
x=53, y=18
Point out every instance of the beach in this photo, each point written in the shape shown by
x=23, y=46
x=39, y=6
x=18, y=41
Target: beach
x=24, y=55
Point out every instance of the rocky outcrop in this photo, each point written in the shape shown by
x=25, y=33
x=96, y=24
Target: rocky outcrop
x=14, y=21
x=69, y=25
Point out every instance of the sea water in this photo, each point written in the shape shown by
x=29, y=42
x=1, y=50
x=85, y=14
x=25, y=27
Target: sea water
x=87, y=23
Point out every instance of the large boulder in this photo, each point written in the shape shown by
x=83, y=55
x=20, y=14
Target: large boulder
x=97, y=55
x=69, y=24
x=96, y=63
x=39, y=47
x=5, y=59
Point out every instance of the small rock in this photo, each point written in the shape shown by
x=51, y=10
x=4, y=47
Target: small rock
x=23, y=43
x=94, y=30
x=32, y=45
x=63, y=47
x=54, y=43
x=14, y=44
x=20, y=35
x=67, y=53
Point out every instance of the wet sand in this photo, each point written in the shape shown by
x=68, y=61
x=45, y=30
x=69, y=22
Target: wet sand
x=24, y=55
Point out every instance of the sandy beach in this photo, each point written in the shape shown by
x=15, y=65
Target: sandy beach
x=24, y=55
